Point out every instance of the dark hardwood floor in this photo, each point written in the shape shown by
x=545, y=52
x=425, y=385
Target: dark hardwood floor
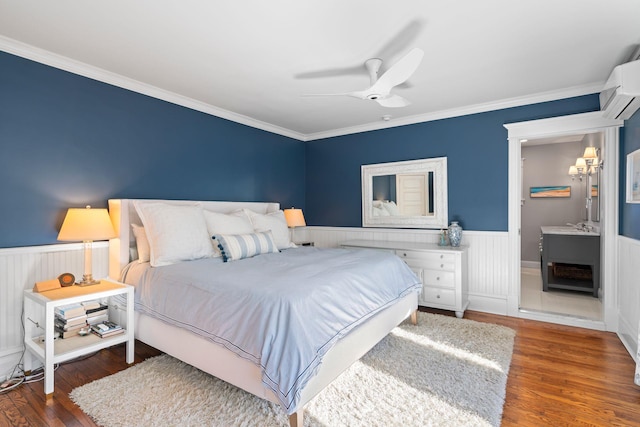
x=559, y=376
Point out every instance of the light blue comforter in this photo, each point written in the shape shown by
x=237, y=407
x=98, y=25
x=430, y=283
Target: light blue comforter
x=281, y=311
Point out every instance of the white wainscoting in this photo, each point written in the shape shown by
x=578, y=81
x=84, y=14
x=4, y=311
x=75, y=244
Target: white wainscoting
x=20, y=268
x=488, y=284
x=629, y=293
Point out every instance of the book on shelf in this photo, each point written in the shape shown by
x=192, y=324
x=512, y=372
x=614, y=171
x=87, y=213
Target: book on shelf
x=91, y=305
x=61, y=327
x=69, y=311
x=78, y=320
x=97, y=311
x=97, y=319
x=109, y=334
x=70, y=331
x=66, y=327
x=67, y=334
x=106, y=329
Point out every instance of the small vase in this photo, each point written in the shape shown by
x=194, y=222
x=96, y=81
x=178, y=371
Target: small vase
x=455, y=234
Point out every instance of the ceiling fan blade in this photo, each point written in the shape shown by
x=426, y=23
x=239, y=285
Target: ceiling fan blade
x=399, y=72
x=355, y=94
x=403, y=39
x=331, y=72
x=398, y=43
x=393, y=101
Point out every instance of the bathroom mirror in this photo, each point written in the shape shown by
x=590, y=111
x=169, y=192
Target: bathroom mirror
x=410, y=194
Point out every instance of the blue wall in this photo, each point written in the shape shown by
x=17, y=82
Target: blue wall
x=67, y=141
x=477, y=159
x=629, y=212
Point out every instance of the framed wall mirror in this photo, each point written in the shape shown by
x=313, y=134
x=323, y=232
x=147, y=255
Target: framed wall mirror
x=410, y=194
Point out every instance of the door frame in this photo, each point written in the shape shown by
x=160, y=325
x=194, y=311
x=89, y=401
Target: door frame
x=560, y=126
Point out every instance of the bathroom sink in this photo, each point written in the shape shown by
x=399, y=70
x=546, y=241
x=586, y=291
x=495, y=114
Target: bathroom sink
x=567, y=229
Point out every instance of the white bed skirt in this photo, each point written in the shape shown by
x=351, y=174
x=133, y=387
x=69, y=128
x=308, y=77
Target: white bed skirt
x=228, y=366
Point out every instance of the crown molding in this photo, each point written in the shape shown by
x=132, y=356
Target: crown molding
x=464, y=111
x=42, y=56
x=76, y=67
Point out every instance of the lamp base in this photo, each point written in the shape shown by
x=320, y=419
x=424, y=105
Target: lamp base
x=87, y=280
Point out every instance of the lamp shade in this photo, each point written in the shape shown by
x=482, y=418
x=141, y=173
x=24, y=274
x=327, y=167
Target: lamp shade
x=86, y=224
x=581, y=163
x=590, y=153
x=573, y=170
x=294, y=217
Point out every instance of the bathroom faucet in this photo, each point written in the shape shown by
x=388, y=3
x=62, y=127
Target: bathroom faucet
x=581, y=226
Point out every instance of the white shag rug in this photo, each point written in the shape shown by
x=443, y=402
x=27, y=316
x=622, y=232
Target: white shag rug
x=443, y=372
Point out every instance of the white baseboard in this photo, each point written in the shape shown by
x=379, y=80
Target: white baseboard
x=488, y=304
x=530, y=264
x=628, y=335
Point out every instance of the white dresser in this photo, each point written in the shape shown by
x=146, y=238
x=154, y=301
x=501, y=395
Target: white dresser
x=441, y=269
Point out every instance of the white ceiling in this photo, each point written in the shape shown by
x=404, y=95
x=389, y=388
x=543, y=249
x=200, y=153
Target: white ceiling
x=251, y=60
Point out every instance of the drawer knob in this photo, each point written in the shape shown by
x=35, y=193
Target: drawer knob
x=441, y=265
x=404, y=254
x=441, y=256
x=438, y=296
x=438, y=278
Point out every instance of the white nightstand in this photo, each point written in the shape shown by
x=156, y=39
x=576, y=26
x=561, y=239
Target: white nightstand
x=40, y=308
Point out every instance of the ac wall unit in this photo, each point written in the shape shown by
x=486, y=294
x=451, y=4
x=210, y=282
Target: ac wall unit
x=620, y=97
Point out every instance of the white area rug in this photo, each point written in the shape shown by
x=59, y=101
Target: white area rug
x=443, y=372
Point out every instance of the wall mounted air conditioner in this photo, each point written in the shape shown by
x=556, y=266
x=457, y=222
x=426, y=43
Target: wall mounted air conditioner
x=620, y=97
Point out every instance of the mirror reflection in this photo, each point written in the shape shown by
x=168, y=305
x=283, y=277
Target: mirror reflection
x=403, y=194
x=410, y=194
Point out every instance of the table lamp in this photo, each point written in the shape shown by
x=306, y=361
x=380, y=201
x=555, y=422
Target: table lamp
x=86, y=225
x=294, y=218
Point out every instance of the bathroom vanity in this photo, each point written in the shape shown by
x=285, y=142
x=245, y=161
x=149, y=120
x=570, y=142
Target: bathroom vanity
x=570, y=247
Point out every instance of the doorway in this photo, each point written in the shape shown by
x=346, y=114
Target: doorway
x=570, y=212
x=554, y=128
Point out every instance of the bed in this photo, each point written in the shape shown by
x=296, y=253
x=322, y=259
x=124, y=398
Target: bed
x=207, y=352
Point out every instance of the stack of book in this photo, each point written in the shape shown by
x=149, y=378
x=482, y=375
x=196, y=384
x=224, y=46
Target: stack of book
x=69, y=319
x=96, y=312
x=106, y=329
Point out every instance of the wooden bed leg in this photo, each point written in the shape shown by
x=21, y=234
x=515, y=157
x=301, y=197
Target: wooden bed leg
x=295, y=419
x=414, y=317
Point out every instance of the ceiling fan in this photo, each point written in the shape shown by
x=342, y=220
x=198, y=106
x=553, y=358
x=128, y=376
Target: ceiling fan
x=380, y=88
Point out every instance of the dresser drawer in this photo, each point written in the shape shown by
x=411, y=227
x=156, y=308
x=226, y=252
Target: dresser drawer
x=439, y=296
x=446, y=279
x=433, y=261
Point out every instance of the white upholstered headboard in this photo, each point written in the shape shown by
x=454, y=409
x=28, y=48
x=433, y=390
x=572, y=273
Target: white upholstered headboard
x=123, y=214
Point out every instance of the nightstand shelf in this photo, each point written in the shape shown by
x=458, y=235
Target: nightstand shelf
x=39, y=309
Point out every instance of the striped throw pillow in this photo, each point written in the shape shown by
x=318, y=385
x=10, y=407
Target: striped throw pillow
x=238, y=246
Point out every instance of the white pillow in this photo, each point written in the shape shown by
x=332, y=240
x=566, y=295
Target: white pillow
x=239, y=246
x=175, y=233
x=392, y=208
x=142, y=243
x=380, y=212
x=219, y=223
x=274, y=222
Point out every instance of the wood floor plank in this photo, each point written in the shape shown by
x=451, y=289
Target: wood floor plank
x=559, y=376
